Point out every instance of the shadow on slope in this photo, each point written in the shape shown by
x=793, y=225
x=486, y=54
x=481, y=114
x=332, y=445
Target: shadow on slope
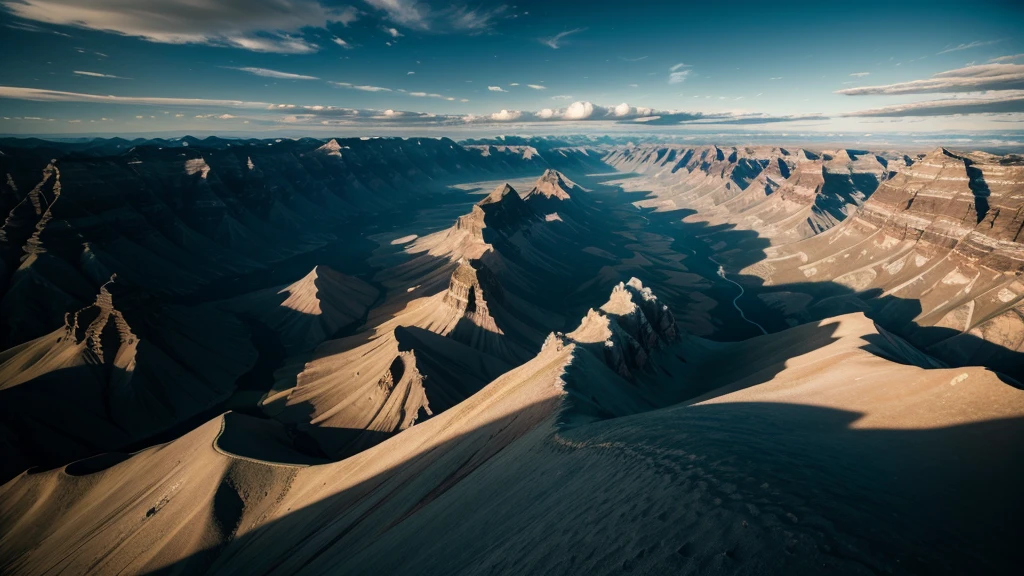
x=786, y=488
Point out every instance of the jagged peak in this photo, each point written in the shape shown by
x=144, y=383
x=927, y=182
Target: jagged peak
x=100, y=326
x=552, y=184
x=471, y=288
x=331, y=148
x=501, y=194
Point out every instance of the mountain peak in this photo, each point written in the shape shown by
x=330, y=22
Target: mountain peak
x=504, y=192
x=331, y=148
x=552, y=184
x=100, y=327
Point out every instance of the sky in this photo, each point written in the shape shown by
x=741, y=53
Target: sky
x=81, y=67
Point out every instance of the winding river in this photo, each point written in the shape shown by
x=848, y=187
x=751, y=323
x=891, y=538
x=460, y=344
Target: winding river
x=735, y=301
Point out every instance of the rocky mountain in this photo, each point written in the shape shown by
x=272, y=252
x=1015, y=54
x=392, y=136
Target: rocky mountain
x=542, y=355
x=936, y=254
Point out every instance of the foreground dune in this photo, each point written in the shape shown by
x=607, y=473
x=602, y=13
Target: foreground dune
x=828, y=450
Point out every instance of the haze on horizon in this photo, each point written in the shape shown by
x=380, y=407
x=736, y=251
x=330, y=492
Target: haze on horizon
x=320, y=67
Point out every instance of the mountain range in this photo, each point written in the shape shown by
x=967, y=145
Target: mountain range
x=387, y=355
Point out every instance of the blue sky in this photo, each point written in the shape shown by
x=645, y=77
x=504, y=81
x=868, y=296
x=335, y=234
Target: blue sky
x=406, y=66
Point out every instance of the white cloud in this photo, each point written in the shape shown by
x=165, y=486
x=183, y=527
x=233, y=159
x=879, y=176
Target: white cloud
x=506, y=115
x=514, y=84
x=98, y=75
x=341, y=43
x=562, y=97
x=678, y=77
x=410, y=73
x=969, y=79
x=496, y=89
x=860, y=74
x=272, y=73
x=621, y=109
x=545, y=114
x=393, y=32
x=555, y=41
x=536, y=86
x=679, y=66
x=969, y=45
x=578, y=111
x=256, y=26
x=1009, y=58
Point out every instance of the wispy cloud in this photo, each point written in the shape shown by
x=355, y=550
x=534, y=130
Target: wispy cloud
x=860, y=74
x=256, y=26
x=624, y=59
x=26, y=27
x=98, y=75
x=39, y=95
x=555, y=41
x=496, y=89
x=272, y=73
x=361, y=87
x=394, y=33
x=1002, y=102
x=419, y=15
x=1009, y=58
x=536, y=86
x=968, y=46
x=341, y=43
x=968, y=79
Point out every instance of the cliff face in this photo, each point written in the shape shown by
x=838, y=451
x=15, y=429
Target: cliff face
x=936, y=252
x=170, y=217
x=785, y=195
x=117, y=372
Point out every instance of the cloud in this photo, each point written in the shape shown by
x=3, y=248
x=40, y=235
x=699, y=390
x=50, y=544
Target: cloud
x=536, y=86
x=578, y=111
x=562, y=97
x=1008, y=58
x=341, y=43
x=215, y=116
x=555, y=41
x=419, y=15
x=969, y=79
x=678, y=77
x=679, y=66
x=1003, y=102
x=256, y=26
x=860, y=74
x=506, y=115
x=514, y=84
x=969, y=45
x=362, y=87
x=40, y=95
x=393, y=32
x=98, y=75
x=409, y=73
x=545, y=114
x=26, y=27
x=624, y=59
x=776, y=78
x=621, y=109
x=496, y=89
x=272, y=73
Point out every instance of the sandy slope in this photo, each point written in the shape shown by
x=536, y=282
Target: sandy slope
x=819, y=455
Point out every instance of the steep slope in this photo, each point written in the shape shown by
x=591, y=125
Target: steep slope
x=793, y=467
x=432, y=354
x=109, y=378
x=311, y=309
x=935, y=252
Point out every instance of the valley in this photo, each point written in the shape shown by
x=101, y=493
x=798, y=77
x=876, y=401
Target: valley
x=418, y=355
